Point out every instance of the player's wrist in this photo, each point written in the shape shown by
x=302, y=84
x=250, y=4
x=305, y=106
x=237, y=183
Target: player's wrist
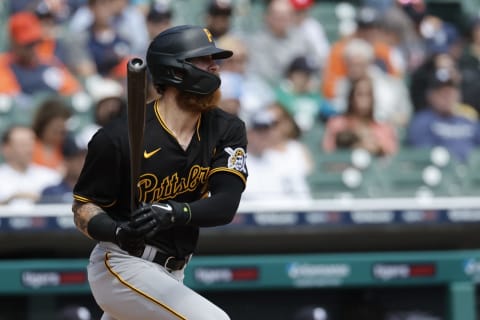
x=102, y=227
x=182, y=213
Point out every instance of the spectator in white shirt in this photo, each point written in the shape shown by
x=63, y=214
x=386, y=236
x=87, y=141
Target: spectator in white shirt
x=21, y=181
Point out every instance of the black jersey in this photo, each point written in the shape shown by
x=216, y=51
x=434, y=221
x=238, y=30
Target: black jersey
x=167, y=172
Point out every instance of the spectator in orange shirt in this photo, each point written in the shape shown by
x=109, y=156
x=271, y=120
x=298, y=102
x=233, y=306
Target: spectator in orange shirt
x=23, y=71
x=357, y=128
x=369, y=26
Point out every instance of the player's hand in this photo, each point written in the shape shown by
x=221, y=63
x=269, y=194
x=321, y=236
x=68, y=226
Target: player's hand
x=163, y=215
x=130, y=236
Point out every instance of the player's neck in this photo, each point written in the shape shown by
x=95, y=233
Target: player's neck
x=181, y=122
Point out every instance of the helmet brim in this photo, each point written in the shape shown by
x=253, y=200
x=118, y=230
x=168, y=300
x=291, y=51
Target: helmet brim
x=222, y=54
x=216, y=53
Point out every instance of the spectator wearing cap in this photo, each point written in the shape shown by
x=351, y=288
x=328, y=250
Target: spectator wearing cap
x=270, y=174
x=218, y=18
x=386, y=57
x=419, y=78
x=298, y=94
x=296, y=158
x=440, y=124
x=312, y=29
x=74, y=158
x=23, y=70
x=22, y=180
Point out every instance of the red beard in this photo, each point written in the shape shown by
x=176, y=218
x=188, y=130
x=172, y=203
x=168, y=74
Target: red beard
x=198, y=103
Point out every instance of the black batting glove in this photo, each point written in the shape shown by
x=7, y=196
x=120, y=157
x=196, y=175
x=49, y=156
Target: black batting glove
x=164, y=215
x=130, y=236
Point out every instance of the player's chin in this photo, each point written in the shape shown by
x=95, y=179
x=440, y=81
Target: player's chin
x=198, y=103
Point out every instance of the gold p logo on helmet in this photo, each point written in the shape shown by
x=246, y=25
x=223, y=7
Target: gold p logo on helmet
x=209, y=35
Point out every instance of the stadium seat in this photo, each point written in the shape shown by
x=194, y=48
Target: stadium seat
x=344, y=173
x=416, y=172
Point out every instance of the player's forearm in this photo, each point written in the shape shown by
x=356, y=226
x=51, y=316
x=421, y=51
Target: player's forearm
x=220, y=208
x=83, y=213
x=214, y=211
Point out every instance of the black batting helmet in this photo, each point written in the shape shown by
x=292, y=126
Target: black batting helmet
x=168, y=54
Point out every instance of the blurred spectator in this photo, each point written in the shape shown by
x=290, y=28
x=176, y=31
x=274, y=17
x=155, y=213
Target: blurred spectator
x=22, y=180
x=106, y=48
x=218, y=17
x=159, y=18
x=253, y=92
x=469, y=65
x=420, y=77
x=262, y=180
x=23, y=70
x=357, y=128
x=286, y=144
x=400, y=32
x=109, y=103
x=392, y=101
x=440, y=37
x=231, y=88
x=297, y=92
x=126, y=19
x=60, y=8
x=52, y=44
x=270, y=174
x=441, y=124
x=312, y=29
x=74, y=156
x=272, y=48
x=50, y=127
x=369, y=24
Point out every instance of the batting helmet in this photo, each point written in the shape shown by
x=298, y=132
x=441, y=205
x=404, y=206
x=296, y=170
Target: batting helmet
x=168, y=54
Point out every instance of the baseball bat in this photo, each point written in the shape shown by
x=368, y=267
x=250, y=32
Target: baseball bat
x=136, y=101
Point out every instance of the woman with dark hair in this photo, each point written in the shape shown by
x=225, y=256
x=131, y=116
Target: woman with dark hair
x=49, y=125
x=357, y=128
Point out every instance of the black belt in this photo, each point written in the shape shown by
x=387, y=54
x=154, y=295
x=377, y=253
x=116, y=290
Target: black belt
x=170, y=262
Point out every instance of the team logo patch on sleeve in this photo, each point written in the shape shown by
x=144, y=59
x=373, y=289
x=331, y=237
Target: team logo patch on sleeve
x=237, y=159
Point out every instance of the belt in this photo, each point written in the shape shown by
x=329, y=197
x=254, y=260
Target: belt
x=171, y=263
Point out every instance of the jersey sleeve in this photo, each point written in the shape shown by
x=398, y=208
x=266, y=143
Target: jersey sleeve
x=231, y=152
x=100, y=177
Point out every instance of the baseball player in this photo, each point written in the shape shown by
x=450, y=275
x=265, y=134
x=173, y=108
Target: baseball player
x=192, y=175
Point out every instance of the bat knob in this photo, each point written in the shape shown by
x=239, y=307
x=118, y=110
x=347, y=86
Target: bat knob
x=136, y=64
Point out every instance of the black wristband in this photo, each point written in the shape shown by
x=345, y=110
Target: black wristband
x=102, y=228
x=182, y=212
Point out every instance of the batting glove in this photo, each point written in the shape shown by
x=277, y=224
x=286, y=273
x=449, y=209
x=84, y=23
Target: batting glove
x=130, y=236
x=163, y=215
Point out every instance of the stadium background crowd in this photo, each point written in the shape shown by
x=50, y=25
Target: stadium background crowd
x=364, y=98
x=372, y=98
